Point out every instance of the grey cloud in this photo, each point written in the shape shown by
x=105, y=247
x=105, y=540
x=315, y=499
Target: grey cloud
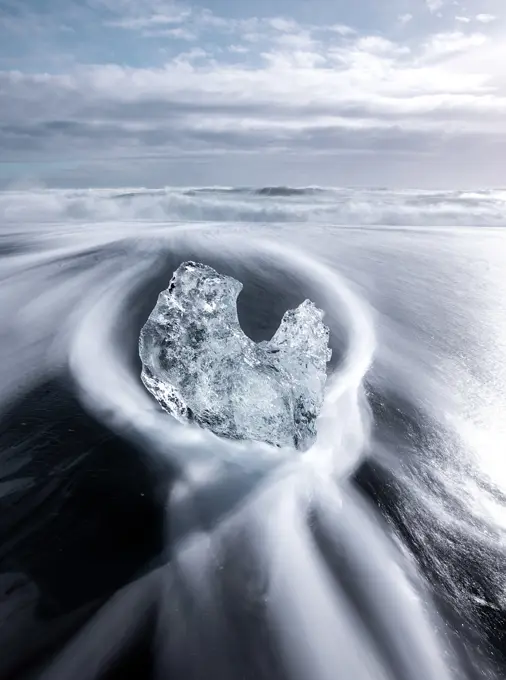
x=37, y=100
x=45, y=118
x=54, y=138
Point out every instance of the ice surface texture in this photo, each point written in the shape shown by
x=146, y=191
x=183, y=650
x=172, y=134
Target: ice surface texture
x=202, y=368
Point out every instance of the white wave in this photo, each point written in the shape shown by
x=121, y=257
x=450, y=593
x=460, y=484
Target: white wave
x=311, y=205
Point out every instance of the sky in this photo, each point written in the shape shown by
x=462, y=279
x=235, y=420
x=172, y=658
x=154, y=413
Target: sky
x=397, y=93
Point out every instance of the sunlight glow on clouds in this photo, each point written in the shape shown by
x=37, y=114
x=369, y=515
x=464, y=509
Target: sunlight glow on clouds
x=187, y=82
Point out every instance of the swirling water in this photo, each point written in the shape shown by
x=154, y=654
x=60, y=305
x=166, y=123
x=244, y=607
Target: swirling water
x=134, y=546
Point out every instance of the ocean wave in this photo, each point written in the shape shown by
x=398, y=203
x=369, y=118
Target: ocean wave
x=288, y=191
x=312, y=205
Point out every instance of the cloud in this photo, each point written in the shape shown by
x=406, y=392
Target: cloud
x=262, y=86
x=159, y=19
x=405, y=19
x=341, y=29
x=238, y=49
x=463, y=20
x=434, y=5
x=283, y=25
x=136, y=23
x=191, y=56
x=445, y=44
x=178, y=33
x=372, y=85
x=485, y=18
x=377, y=45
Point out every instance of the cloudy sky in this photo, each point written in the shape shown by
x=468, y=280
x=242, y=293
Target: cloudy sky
x=398, y=93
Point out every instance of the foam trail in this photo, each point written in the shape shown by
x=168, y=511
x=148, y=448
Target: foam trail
x=310, y=608
x=310, y=617
x=340, y=439
x=311, y=570
x=109, y=388
x=392, y=601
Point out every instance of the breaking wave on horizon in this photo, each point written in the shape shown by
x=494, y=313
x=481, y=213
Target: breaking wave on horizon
x=311, y=205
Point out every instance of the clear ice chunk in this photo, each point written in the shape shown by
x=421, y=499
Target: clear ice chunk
x=201, y=367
